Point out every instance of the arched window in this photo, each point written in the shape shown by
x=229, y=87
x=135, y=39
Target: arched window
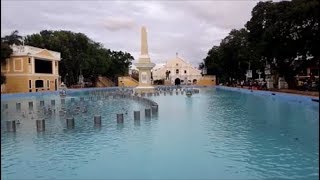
x=177, y=71
x=185, y=71
x=194, y=81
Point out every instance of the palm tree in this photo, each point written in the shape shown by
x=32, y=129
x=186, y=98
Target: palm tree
x=13, y=38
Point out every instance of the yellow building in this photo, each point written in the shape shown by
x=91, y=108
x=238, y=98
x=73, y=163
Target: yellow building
x=31, y=69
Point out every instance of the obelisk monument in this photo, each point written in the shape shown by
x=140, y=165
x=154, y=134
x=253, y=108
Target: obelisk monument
x=144, y=66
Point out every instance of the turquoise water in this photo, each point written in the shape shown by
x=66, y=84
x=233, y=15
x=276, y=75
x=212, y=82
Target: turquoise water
x=215, y=134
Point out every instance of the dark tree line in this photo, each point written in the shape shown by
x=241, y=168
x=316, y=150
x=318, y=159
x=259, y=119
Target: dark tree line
x=6, y=51
x=283, y=34
x=79, y=55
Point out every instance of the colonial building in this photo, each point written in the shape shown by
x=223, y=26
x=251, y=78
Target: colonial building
x=176, y=70
x=31, y=69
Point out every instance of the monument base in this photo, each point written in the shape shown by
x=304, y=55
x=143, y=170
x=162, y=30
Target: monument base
x=144, y=89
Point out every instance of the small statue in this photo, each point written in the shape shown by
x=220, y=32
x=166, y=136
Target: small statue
x=189, y=92
x=167, y=74
x=63, y=90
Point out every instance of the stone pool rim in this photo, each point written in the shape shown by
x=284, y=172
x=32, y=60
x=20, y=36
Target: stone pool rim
x=282, y=95
x=279, y=95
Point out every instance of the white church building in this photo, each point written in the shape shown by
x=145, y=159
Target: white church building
x=180, y=71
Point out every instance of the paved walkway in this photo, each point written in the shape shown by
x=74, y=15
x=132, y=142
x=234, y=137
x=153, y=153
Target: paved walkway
x=306, y=93
x=292, y=91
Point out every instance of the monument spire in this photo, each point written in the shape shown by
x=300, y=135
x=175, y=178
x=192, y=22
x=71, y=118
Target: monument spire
x=144, y=42
x=144, y=56
x=144, y=65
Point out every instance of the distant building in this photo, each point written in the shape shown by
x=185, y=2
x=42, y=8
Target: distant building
x=31, y=69
x=180, y=71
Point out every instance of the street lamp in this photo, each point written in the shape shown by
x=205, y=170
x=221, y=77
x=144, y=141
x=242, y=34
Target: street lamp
x=267, y=72
x=259, y=72
x=65, y=79
x=249, y=72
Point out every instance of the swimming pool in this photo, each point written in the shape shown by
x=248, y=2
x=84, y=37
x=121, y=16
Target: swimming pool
x=215, y=134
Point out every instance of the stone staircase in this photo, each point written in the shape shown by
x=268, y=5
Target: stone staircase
x=103, y=81
x=127, y=81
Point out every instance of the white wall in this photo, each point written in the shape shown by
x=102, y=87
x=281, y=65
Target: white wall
x=172, y=65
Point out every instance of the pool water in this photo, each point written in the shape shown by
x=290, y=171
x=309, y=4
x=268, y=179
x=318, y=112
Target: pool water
x=216, y=134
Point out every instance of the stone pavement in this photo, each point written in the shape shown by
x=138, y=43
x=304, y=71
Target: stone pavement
x=292, y=91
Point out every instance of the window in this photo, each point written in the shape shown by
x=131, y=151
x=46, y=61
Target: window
x=177, y=71
x=30, y=85
x=177, y=64
x=43, y=66
x=18, y=65
x=29, y=60
x=39, y=83
x=185, y=71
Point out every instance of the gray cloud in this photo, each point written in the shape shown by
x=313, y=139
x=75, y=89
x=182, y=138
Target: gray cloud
x=224, y=14
x=118, y=23
x=190, y=28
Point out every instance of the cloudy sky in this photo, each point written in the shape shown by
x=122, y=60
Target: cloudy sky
x=190, y=28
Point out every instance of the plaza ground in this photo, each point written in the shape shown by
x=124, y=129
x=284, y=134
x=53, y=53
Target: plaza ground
x=291, y=91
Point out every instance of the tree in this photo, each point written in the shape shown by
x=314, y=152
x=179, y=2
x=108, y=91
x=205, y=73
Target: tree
x=6, y=51
x=79, y=54
x=286, y=35
x=13, y=38
x=231, y=58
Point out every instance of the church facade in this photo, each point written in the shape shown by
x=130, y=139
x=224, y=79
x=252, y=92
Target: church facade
x=177, y=71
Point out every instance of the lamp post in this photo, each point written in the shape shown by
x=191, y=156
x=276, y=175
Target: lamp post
x=249, y=72
x=259, y=73
x=65, y=79
x=267, y=72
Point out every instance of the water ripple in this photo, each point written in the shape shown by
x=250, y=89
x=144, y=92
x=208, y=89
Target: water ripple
x=213, y=135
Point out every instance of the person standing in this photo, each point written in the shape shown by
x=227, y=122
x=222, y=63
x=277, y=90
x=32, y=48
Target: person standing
x=167, y=75
x=250, y=84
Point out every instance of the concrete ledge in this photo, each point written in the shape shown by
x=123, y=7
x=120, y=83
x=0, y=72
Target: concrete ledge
x=279, y=95
x=70, y=92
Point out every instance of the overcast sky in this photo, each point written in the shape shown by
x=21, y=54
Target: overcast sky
x=190, y=28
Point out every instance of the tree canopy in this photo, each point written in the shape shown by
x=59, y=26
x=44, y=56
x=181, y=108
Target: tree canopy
x=6, y=51
x=283, y=34
x=13, y=38
x=79, y=54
